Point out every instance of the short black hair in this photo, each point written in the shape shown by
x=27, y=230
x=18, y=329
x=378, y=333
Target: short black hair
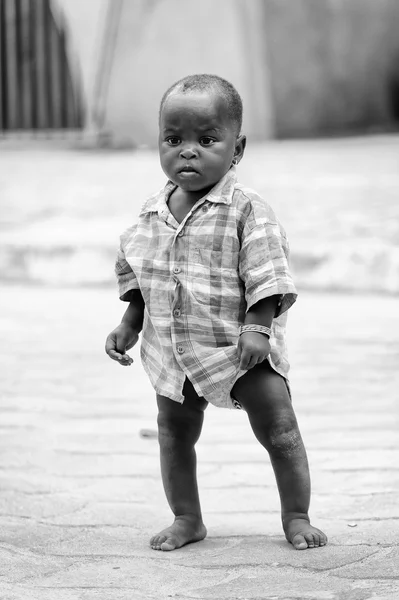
x=205, y=82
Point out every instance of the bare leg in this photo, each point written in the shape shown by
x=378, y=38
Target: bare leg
x=264, y=395
x=179, y=427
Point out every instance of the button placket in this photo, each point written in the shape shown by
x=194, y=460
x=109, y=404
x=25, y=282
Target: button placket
x=178, y=261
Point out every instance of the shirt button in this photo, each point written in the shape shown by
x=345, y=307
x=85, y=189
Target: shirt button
x=205, y=209
x=180, y=349
x=176, y=312
x=176, y=270
x=180, y=234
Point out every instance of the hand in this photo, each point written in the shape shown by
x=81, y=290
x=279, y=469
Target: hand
x=252, y=349
x=119, y=341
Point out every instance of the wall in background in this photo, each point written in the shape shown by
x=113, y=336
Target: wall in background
x=159, y=42
x=302, y=67
x=334, y=65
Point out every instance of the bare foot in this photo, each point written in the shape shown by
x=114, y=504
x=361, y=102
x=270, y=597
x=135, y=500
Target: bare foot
x=185, y=530
x=300, y=533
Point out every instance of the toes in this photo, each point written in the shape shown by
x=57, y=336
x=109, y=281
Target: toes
x=170, y=542
x=299, y=542
x=323, y=539
x=310, y=540
x=168, y=545
x=180, y=533
x=319, y=539
x=163, y=542
x=315, y=540
x=157, y=541
x=302, y=541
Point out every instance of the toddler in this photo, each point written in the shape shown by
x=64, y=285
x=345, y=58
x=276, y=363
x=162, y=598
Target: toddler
x=205, y=272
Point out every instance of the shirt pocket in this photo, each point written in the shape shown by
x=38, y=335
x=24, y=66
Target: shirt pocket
x=214, y=280
x=216, y=252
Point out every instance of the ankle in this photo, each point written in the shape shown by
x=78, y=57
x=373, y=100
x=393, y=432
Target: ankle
x=287, y=517
x=191, y=517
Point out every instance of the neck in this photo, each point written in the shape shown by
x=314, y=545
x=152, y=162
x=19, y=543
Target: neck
x=188, y=197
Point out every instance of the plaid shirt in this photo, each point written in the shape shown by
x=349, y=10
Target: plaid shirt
x=197, y=279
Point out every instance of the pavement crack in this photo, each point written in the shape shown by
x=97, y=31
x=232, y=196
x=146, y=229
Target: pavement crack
x=25, y=493
x=86, y=587
x=133, y=452
x=361, y=519
x=50, y=572
x=69, y=525
x=361, y=470
x=354, y=562
x=58, y=514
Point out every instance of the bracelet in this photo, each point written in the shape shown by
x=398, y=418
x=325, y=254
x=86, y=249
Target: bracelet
x=257, y=328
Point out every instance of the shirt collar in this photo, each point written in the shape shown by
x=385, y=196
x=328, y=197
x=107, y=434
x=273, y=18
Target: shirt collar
x=221, y=193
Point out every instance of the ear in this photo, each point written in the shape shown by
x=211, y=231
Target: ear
x=241, y=142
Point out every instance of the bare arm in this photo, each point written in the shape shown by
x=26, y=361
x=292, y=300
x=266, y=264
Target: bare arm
x=263, y=312
x=135, y=311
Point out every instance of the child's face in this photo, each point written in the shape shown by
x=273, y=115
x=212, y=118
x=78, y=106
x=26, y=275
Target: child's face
x=197, y=140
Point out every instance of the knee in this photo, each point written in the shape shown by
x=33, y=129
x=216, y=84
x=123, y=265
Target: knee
x=284, y=439
x=173, y=427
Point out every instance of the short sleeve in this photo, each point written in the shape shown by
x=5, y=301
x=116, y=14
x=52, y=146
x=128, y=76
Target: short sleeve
x=264, y=266
x=126, y=279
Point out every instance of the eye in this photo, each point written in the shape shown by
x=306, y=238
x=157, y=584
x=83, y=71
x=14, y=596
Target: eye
x=173, y=140
x=207, y=141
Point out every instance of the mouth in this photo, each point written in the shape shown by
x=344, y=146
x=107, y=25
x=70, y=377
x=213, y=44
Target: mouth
x=188, y=169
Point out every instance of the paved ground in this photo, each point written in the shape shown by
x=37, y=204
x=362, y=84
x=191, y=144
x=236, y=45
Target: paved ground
x=80, y=492
x=62, y=211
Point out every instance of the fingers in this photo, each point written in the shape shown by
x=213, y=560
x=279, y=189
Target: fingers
x=121, y=357
x=126, y=360
x=244, y=359
x=253, y=361
x=248, y=361
x=252, y=349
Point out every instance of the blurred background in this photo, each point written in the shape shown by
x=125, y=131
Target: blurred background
x=80, y=87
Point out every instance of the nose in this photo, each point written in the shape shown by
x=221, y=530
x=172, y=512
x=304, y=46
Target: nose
x=188, y=152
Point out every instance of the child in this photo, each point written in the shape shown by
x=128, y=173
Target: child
x=206, y=276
